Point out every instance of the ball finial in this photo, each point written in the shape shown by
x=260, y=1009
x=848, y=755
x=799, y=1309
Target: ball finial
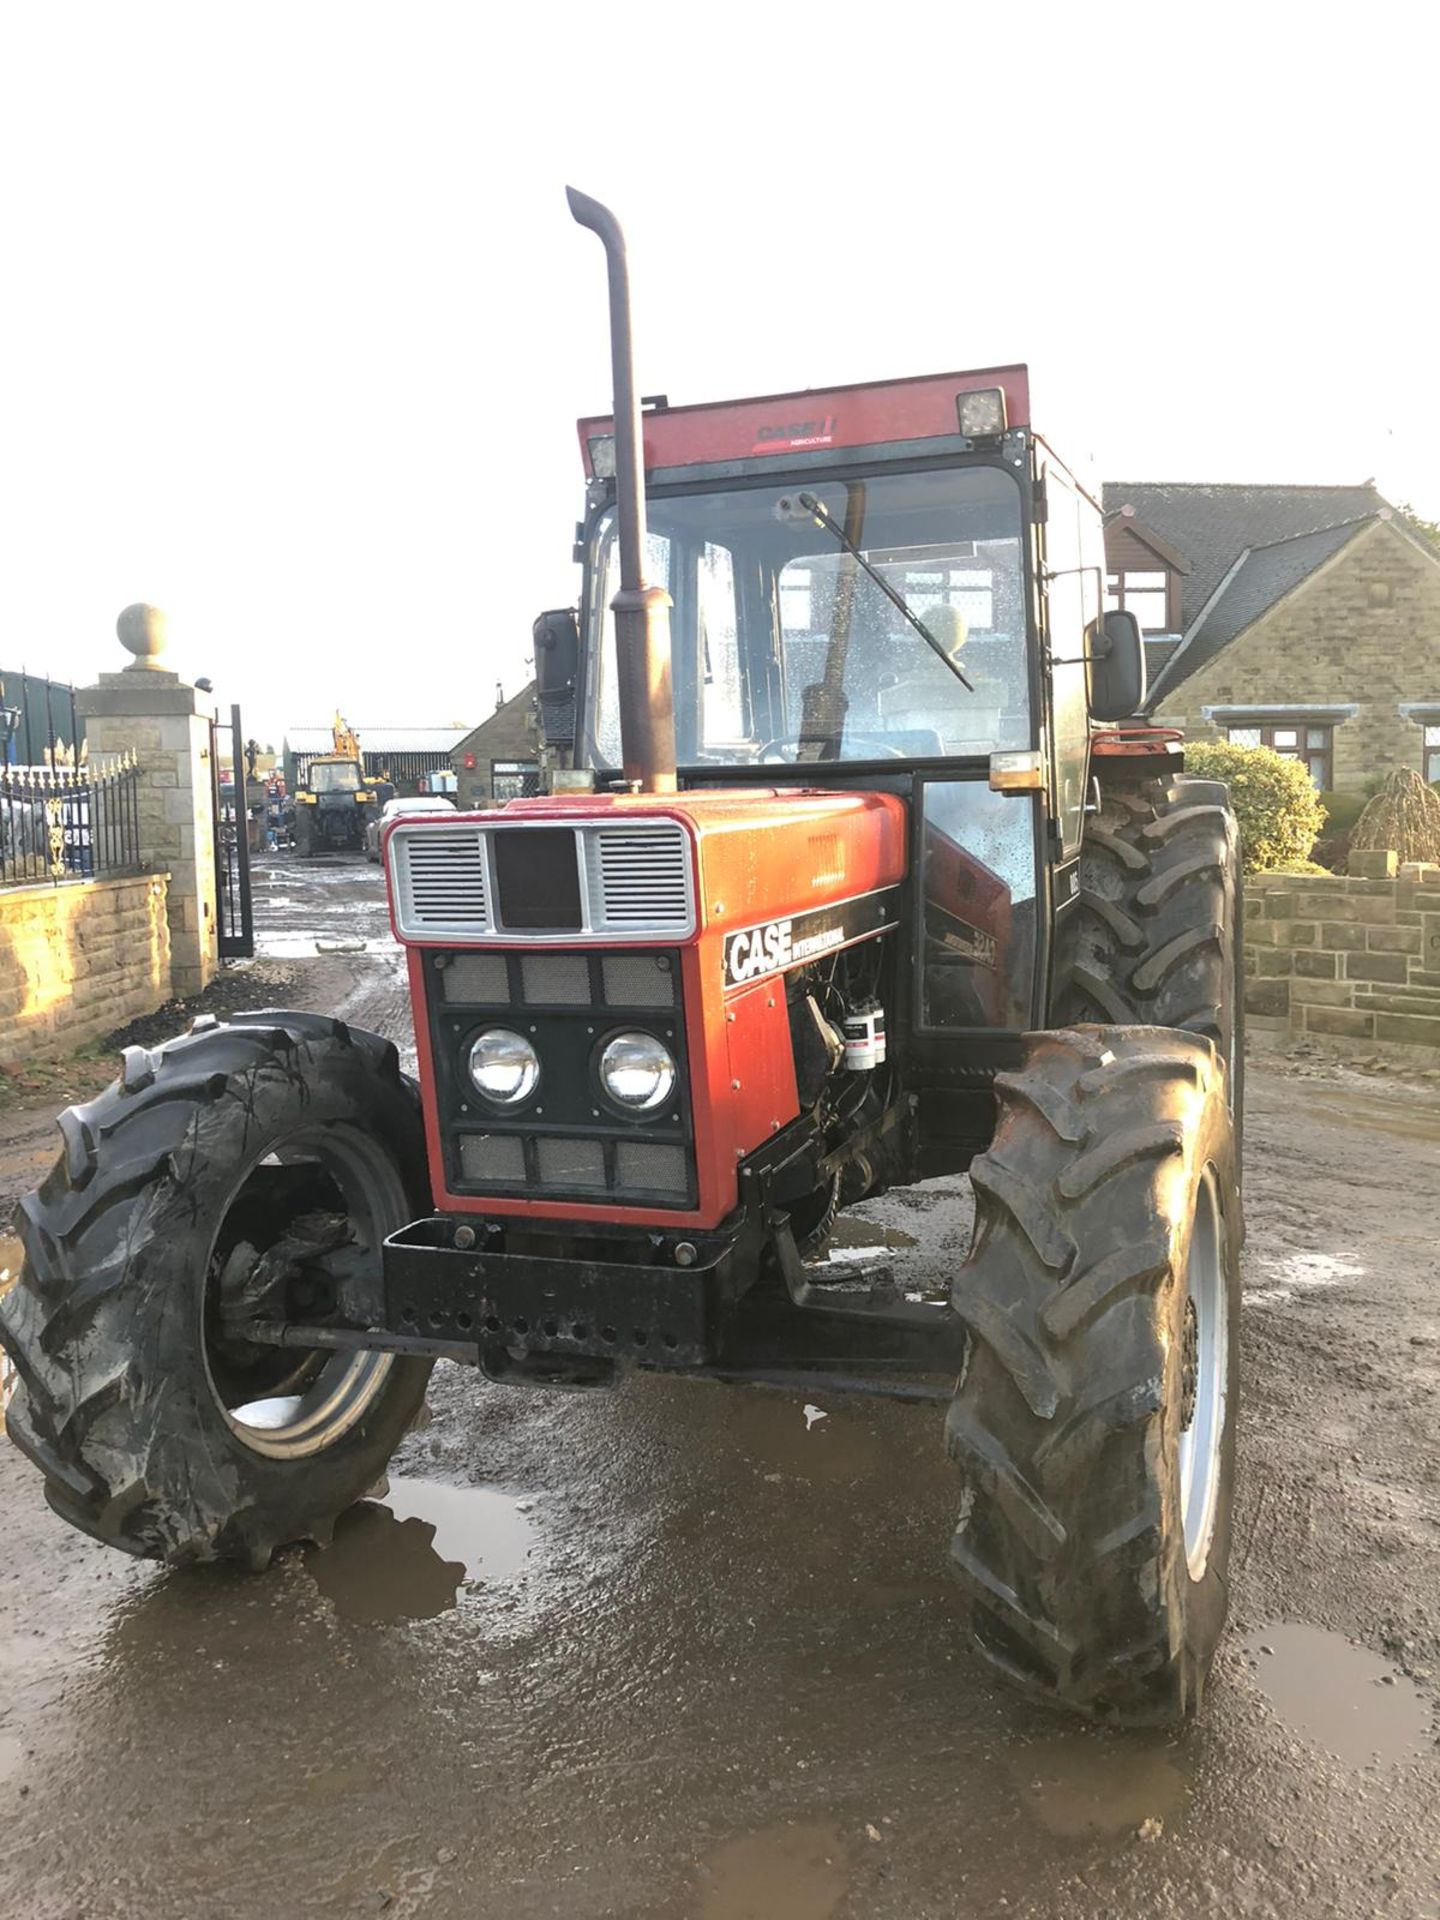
x=142, y=632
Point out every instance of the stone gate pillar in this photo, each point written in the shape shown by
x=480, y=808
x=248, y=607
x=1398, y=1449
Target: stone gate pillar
x=165, y=723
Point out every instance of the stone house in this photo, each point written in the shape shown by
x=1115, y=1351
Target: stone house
x=500, y=759
x=1301, y=618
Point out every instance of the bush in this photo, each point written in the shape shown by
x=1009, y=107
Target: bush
x=1403, y=818
x=1342, y=810
x=1275, y=802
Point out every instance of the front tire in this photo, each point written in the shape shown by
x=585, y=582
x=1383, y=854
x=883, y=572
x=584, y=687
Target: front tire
x=251, y=1169
x=1095, y=1422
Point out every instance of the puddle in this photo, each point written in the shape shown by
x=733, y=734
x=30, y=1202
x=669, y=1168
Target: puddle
x=850, y=1232
x=1079, y=1785
x=1349, y=1701
x=1296, y=1273
x=779, y=1873
x=405, y=1558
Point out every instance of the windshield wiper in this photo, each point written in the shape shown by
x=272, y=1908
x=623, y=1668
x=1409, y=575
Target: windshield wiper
x=817, y=511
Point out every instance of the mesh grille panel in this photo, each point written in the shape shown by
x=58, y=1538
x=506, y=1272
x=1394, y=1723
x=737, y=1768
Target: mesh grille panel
x=479, y=977
x=556, y=979
x=655, y=1169
x=636, y=980
x=493, y=1156
x=571, y=1163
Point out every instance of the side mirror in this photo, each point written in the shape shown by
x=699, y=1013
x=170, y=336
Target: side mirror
x=1116, y=666
x=557, y=661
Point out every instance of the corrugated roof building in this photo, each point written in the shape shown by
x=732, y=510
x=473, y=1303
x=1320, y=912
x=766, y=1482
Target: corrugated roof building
x=405, y=755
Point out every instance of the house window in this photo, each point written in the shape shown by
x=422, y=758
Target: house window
x=1311, y=745
x=1432, y=754
x=514, y=779
x=1146, y=595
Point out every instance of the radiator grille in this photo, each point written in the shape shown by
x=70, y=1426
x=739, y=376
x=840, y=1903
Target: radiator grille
x=493, y=1157
x=571, y=1163
x=640, y=878
x=638, y=980
x=635, y=879
x=556, y=979
x=481, y=979
x=438, y=876
x=652, y=1169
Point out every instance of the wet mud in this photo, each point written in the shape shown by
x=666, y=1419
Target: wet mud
x=680, y=1652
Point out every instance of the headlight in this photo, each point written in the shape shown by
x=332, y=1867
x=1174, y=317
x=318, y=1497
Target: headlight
x=504, y=1067
x=637, y=1072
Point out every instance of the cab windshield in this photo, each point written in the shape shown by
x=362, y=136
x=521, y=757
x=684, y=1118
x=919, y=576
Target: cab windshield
x=786, y=648
x=334, y=776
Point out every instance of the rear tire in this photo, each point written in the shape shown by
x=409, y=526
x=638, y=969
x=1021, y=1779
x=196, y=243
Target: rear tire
x=1102, y=1299
x=158, y=1427
x=1155, y=936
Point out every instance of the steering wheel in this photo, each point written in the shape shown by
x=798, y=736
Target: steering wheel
x=787, y=752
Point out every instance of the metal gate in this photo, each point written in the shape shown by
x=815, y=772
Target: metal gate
x=234, y=911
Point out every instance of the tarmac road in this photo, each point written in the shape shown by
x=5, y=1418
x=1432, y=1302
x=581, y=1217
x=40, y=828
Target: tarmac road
x=688, y=1653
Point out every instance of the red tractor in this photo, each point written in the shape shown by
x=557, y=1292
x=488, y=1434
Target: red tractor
x=854, y=869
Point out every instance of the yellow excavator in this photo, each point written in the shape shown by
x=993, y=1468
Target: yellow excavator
x=336, y=799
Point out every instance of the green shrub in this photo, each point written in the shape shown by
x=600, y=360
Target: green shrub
x=1275, y=801
x=1342, y=810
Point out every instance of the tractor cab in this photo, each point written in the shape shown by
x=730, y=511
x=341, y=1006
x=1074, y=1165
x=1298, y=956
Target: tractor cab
x=894, y=586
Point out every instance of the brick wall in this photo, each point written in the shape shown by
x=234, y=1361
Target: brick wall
x=79, y=960
x=1364, y=630
x=1352, y=959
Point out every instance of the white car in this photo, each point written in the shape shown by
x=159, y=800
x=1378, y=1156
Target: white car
x=392, y=810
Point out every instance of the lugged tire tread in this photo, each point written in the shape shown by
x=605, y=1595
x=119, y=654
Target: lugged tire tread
x=1161, y=855
x=1061, y=1536
x=64, y=1323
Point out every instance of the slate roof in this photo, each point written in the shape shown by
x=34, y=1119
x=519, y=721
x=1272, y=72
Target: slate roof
x=1213, y=525
x=1158, y=654
x=1247, y=546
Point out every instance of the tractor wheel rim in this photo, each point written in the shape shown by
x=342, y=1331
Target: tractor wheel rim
x=304, y=1400
x=1204, y=1372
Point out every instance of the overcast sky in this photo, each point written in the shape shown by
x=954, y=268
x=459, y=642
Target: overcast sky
x=296, y=325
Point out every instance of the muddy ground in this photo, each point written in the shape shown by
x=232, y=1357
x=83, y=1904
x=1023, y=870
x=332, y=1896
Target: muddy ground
x=682, y=1653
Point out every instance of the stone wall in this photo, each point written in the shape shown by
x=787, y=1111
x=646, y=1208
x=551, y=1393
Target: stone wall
x=1362, y=632
x=510, y=733
x=1355, y=960
x=78, y=960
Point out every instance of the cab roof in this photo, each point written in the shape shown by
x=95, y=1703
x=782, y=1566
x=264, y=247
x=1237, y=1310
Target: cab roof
x=873, y=413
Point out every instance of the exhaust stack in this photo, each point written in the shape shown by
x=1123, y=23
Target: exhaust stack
x=642, y=612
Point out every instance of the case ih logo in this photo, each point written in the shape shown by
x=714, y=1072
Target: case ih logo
x=793, y=434
x=781, y=944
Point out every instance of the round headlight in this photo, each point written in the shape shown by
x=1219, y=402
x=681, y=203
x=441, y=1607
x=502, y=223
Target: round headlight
x=504, y=1067
x=637, y=1072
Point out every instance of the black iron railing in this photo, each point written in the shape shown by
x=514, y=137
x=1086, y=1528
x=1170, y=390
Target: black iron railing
x=68, y=823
